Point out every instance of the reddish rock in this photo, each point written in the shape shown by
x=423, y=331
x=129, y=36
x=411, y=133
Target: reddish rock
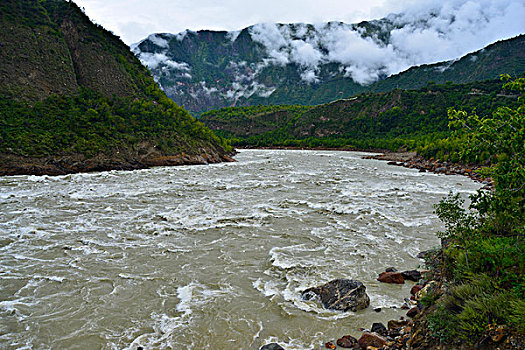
x=348, y=342
x=371, y=339
x=415, y=289
x=391, y=277
x=330, y=345
x=498, y=335
x=413, y=311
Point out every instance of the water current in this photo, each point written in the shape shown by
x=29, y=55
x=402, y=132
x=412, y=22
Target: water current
x=208, y=257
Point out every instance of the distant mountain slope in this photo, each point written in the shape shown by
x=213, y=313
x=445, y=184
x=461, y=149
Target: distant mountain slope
x=312, y=64
x=74, y=98
x=505, y=56
x=369, y=120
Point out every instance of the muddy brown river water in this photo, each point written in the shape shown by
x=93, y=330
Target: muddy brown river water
x=208, y=257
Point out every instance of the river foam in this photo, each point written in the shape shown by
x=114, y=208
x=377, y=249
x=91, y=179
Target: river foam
x=208, y=257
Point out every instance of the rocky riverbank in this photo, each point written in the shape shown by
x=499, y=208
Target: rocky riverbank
x=413, y=331
x=143, y=158
x=414, y=161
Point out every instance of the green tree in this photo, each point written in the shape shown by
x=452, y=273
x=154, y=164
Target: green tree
x=484, y=248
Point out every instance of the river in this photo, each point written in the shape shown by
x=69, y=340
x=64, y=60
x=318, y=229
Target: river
x=209, y=257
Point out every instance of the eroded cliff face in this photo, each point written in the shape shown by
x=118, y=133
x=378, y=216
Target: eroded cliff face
x=36, y=61
x=51, y=47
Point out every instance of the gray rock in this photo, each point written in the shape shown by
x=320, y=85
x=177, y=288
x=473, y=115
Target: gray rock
x=340, y=295
x=379, y=328
x=412, y=275
x=272, y=346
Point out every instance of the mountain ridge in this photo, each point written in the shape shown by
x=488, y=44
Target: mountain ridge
x=299, y=63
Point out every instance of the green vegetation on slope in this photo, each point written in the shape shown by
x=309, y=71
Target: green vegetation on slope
x=504, y=56
x=485, y=248
x=414, y=119
x=69, y=87
x=89, y=124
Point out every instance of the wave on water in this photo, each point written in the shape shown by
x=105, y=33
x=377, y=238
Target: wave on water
x=212, y=257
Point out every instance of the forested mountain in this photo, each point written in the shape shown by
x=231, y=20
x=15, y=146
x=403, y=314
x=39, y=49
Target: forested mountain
x=502, y=57
x=309, y=64
x=74, y=98
x=399, y=118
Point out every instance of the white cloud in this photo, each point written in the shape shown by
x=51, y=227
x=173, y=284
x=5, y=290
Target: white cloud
x=133, y=20
x=305, y=54
x=208, y=90
x=430, y=30
x=183, y=66
x=427, y=32
x=154, y=60
x=159, y=41
x=180, y=36
x=239, y=90
x=233, y=35
x=309, y=76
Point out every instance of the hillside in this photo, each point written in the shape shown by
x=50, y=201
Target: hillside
x=74, y=98
x=309, y=64
x=502, y=57
x=400, y=118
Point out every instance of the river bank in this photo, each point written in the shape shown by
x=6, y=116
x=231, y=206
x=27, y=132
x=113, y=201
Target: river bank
x=145, y=158
x=414, y=331
x=414, y=161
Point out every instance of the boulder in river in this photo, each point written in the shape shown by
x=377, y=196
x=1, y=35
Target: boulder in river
x=413, y=312
x=272, y=346
x=340, y=295
x=348, y=342
x=394, y=324
x=412, y=275
x=371, y=339
x=330, y=345
x=391, y=277
x=415, y=289
x=379, y=328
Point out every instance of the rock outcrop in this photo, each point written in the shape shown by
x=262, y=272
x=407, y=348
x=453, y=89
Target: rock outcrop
x=348, y=342
x=340, y=295
x=391, y=277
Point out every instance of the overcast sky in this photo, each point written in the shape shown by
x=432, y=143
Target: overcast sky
x=133, y=20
